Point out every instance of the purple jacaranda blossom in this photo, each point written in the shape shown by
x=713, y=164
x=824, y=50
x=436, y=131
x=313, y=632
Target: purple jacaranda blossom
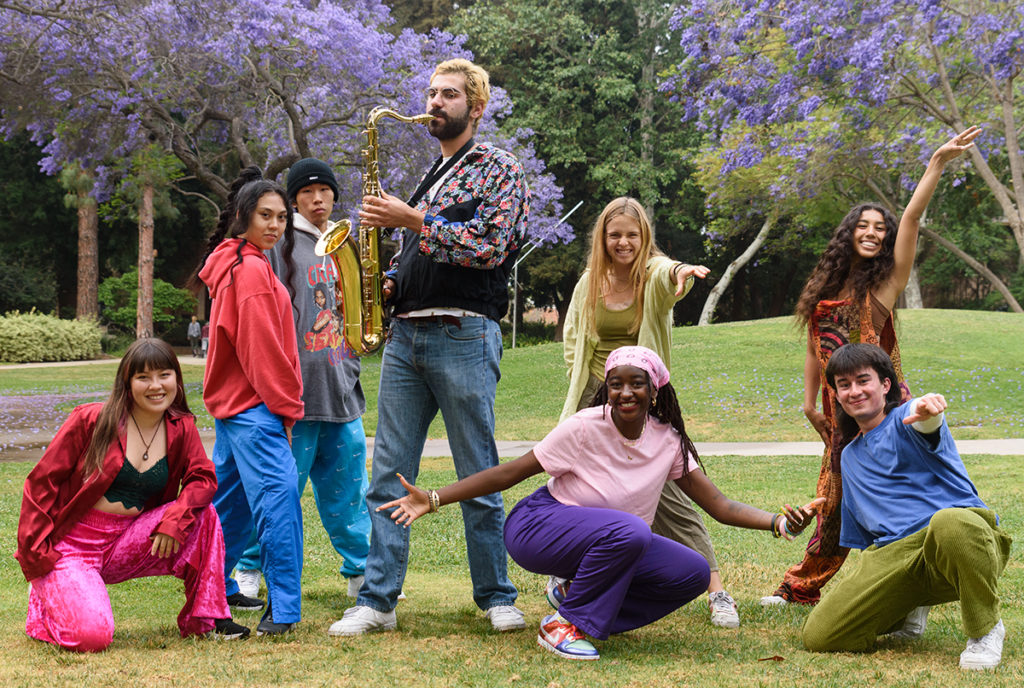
x=218, y=83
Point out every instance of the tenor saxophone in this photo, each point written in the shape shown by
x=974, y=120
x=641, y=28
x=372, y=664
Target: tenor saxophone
x=358, y=262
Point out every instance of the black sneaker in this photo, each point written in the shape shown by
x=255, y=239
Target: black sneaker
x=267, y=626
x=226, y=629
x=240, y=601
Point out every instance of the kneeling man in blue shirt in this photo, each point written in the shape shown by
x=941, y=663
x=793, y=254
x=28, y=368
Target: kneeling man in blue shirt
x=908, y=503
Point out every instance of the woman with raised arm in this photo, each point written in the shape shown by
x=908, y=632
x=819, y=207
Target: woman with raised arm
x=123, y=491
x=253, y=389
x=590, y=524
x=850, y=297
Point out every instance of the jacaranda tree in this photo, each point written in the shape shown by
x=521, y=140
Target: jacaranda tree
x=225, y=83
x=859, y=92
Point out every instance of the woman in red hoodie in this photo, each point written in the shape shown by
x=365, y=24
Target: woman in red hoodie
x=253, y=389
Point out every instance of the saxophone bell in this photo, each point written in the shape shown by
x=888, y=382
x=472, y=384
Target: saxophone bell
x=358, y=287
x=333, y=238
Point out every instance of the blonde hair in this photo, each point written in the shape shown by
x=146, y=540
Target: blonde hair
x=478, y=82
x=599, y=263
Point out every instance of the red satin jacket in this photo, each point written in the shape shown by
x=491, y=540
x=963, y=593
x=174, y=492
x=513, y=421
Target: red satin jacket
x=57, y=493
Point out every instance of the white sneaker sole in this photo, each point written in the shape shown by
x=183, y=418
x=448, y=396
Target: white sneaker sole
x=344, y=633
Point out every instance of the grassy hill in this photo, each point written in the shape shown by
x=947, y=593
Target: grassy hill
x=736, y=381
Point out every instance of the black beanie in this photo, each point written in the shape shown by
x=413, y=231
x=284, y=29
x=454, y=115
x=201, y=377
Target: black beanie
x=310, y=171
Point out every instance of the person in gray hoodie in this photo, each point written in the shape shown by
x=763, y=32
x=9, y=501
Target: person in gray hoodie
x=329, y=443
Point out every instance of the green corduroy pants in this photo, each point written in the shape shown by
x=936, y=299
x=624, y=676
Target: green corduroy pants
x=959, y=555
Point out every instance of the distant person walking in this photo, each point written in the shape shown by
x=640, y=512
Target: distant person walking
x=195, y=336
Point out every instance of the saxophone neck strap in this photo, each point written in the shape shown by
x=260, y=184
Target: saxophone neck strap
x=438, y=171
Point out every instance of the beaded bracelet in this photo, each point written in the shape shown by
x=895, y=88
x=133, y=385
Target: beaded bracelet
x=435, y=501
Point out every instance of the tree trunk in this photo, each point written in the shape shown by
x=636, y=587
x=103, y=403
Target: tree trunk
x=977, y=267
x=87, y=306
x=912, y=294
x=716, y=293
x=144, y=305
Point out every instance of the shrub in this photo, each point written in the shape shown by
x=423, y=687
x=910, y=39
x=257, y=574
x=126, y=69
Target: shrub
x=33, y=336
x=119, y=298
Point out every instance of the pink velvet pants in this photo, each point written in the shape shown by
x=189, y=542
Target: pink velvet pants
x=70, y=607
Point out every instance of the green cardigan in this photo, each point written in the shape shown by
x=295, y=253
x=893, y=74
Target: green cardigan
x=655, y=333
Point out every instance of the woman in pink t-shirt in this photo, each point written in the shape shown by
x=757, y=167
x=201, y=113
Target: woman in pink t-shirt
x=591, y=522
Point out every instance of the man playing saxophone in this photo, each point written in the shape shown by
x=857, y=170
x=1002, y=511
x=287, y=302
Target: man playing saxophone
x=461, y=232
x=328, y=443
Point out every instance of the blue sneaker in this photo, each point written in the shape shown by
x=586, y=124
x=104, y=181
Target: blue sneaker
x=556, y=590
x=564, y=639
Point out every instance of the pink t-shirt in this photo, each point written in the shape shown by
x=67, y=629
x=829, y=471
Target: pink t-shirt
x=592, y=464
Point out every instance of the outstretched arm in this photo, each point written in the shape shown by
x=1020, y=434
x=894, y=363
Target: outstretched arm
x=730, y=512
x=681, y=272
x=495, y=479
x=906, y=237
x=927, y=413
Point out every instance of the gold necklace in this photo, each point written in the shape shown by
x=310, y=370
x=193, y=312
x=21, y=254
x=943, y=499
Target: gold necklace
x=145, y=454
x=614, y=290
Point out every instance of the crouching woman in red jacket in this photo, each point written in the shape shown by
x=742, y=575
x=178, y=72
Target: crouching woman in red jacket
x=123, y=492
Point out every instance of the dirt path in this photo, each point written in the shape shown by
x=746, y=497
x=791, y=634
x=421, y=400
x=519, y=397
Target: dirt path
x=28, y=423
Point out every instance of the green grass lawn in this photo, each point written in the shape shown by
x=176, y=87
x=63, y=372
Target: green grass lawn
x=736, y=381
x=443, y=640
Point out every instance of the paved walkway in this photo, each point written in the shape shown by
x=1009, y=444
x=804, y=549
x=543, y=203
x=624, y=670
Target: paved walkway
x=1014, y=447
x=507, y=449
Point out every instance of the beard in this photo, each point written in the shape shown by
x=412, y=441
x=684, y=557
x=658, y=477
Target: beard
x=447, y=128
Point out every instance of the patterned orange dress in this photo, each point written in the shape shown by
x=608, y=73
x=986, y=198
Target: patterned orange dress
x=834, y=324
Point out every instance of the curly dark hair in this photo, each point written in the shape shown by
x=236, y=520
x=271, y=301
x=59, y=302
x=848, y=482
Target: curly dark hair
x=665, y=407
x=833, y=269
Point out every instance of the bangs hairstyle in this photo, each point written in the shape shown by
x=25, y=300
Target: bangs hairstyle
x=833, y=268
x=142, y=355
x=599, y=263
x=852, y=358
x=664, y=407
x=478, y=82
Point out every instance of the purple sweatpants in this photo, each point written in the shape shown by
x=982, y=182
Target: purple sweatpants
x=70, y=607
x=623, y=575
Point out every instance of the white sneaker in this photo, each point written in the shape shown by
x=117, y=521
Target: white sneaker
x=914, y=626
x=774, y=601
x=248, y=581
x=985, y=652
x=361, y=619
x=505, y=617
x=354, y=583
x=723, y=610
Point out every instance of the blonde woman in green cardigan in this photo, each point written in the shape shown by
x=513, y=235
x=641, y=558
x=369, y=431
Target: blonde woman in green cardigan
x=625, y=298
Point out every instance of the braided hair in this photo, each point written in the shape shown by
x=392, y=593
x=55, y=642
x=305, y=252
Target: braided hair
x=233, y=221
x=664, y=407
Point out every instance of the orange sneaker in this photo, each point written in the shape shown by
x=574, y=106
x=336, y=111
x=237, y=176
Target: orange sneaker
x=564, y=639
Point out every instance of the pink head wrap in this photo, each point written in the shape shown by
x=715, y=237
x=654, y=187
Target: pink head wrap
x=642, y=358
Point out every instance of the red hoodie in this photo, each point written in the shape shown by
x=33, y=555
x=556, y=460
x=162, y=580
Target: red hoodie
x=252, y=357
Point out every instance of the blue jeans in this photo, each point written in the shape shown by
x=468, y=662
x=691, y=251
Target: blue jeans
x=333, y=456
x=256, y=482
x=427, y=367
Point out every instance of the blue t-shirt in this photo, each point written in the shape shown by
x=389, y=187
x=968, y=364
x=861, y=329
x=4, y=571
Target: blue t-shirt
x=894, y=481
